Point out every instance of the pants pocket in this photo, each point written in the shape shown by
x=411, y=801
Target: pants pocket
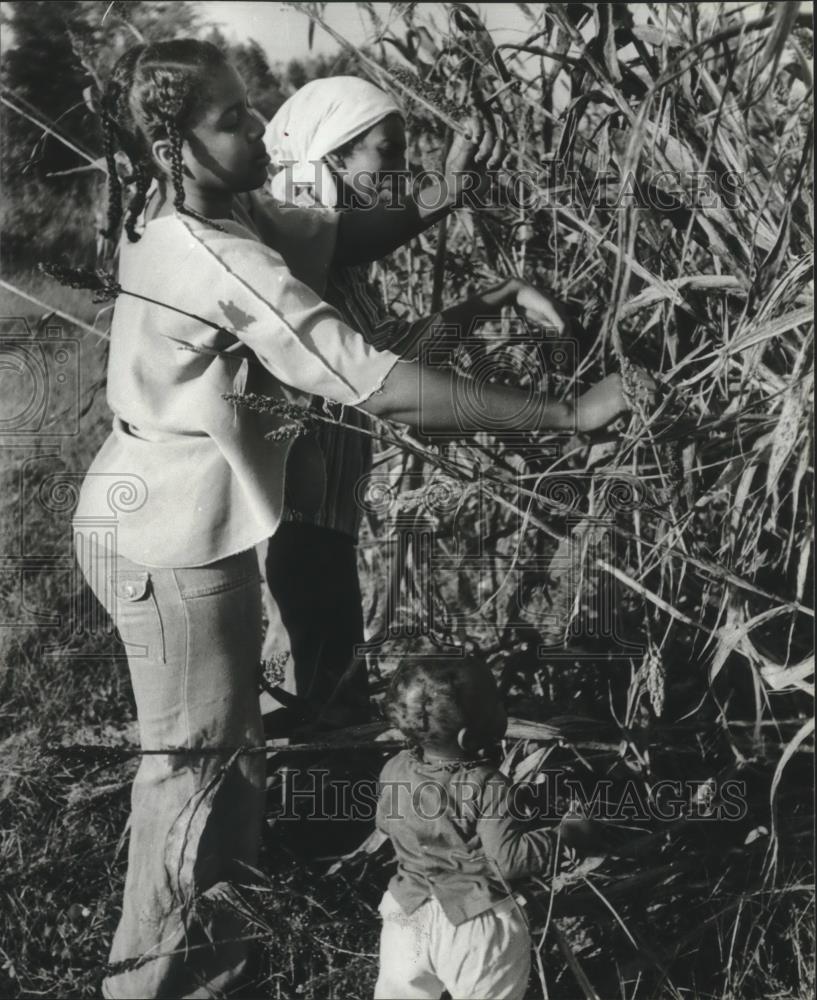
x=221, y=577
x=136, y=615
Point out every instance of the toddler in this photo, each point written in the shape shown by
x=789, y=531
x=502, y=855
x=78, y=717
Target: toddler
x=450, y=920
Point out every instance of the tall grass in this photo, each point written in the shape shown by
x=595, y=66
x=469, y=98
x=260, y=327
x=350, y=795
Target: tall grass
x=711, y=554
x=687, y=529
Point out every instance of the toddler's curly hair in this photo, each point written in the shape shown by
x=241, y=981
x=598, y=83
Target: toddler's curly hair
x=431, y=701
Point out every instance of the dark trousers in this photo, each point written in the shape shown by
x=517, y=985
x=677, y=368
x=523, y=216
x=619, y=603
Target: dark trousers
x=312, y=575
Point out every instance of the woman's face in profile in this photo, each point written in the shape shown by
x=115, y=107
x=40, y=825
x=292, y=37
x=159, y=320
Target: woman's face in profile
x=379, y=154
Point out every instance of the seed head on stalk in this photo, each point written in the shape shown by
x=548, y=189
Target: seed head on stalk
x=638, y=388
x=106, y=288
x=287, y=432
x=298, y=420
x=102, y=283
x=277, y=407
x=431, y=93
x=656, y=679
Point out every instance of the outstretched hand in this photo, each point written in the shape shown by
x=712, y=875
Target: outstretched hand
x=601, y=404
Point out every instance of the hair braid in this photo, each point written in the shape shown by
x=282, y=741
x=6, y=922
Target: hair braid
x=154, y=92
x=177, y=166
x=142, y=178
x=117, y=131
x=114, y=185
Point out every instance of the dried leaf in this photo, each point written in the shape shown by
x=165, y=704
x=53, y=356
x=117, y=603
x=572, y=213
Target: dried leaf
x=181, y=848
x=528, y=767
x=784, y=20
x=785, y=437
x=780, y=677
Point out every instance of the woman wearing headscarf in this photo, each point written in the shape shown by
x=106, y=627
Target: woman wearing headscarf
x=334, y=140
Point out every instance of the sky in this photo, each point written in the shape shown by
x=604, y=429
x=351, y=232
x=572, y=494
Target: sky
x=283, y=31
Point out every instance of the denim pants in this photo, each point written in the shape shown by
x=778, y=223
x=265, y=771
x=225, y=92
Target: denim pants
x=193, y=641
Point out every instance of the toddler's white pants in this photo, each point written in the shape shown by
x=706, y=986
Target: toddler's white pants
x=484, y=958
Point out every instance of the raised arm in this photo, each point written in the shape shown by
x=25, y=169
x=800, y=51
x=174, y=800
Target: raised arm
x=529, y=301
x=368, y=234
x=405, y=337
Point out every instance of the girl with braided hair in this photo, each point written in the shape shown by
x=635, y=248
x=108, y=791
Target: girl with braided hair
x=224, y=295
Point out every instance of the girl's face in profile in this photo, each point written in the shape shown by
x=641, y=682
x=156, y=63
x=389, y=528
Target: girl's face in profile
x=224, y=151
x=379, y=153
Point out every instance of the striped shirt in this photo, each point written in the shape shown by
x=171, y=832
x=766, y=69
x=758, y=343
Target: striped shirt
x=347, y=454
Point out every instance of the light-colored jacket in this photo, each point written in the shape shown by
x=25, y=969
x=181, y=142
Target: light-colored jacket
x=185, y=478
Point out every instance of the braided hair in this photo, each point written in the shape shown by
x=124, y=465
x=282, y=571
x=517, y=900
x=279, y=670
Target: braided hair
x=117, y=131
x=114, y=185
x=155, y=91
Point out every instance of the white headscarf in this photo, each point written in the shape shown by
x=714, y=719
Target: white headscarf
x=320, y=117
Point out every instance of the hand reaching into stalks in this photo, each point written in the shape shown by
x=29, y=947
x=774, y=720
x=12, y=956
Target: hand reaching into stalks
x=540, y=307
x=531, y=303
x=473, y=152
x=477, y=146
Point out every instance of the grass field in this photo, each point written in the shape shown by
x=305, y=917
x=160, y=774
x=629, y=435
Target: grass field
x=690, y=910
x=692, y=525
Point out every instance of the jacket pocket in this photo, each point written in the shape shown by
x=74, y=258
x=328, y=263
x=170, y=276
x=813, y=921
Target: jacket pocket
x=137, y=617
